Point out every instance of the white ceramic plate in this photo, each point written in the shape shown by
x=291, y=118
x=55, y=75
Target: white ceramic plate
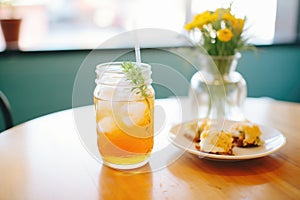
x=181, y=136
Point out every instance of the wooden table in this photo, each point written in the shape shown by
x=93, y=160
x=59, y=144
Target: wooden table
x=46, y=159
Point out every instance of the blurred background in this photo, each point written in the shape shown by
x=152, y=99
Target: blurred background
x=57, y=36
x=84, y=24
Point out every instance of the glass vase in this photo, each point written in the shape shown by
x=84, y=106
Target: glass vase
x=218, y=91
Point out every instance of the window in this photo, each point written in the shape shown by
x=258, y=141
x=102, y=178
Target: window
x=261, y=16
x=85, y=24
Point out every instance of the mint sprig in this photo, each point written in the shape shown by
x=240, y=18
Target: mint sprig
x=134, y=74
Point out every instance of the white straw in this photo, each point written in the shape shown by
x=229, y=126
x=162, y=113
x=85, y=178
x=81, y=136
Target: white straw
x=137, y=54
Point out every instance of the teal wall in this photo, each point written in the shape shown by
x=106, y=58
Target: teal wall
x=274, y=72
x=38, y=83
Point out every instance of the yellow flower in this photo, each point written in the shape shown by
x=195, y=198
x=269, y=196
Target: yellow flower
x=220, y=12
x=189, y=26
x=228, y=17
x=202, y=19
x=219, y=25
x=203, y=16
x=224, y=35
x=238, y=25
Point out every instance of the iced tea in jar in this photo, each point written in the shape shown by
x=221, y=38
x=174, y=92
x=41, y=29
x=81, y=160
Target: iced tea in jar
x=124, y=104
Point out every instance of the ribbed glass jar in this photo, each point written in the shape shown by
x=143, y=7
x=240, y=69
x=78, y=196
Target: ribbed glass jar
x=124, y=116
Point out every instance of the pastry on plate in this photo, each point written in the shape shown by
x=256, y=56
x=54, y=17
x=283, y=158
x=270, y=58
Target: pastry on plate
x=246, y=134
x=202, y=125
x=216, y=142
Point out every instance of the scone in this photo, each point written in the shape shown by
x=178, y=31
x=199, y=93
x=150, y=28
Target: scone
x=203, y=125
x=216, y=142
x=246, y=134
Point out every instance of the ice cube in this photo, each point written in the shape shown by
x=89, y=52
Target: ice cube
x=104, y=93
x=133, y=113
x=106, y=108
x=103, y=106
x=107, y=125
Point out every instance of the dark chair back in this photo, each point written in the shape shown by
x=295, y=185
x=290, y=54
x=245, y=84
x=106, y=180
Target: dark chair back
x=6, y=112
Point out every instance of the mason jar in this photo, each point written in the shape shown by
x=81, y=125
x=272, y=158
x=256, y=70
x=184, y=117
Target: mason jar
x=124, y=115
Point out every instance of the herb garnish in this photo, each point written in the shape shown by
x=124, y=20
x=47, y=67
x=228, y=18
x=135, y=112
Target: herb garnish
x=134, y=74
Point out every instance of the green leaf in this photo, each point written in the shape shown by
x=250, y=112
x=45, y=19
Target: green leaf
x=134, y=74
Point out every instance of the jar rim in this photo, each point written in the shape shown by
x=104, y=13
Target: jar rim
x=101, y=67
x=116, y=74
